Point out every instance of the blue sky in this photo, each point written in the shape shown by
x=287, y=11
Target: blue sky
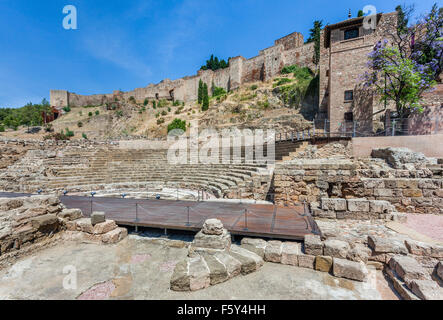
x=129, y=44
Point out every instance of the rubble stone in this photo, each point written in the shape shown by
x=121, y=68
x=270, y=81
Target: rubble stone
x=255, y=245
x=350, y=270
x=426, y=289
x=336, y=248
x=97, y=217
x=408, y=269
x=323, y=263
x=386, y=245
x=70, y=214
x=273, y=251
x=306, y=261
x=313, y=245
x=213, y=227
x=290, y=253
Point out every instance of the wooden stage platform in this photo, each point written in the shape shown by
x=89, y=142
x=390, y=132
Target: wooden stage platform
x=257, y=220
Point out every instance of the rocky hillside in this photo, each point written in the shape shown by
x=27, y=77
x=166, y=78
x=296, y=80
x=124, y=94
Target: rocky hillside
x=283, y=103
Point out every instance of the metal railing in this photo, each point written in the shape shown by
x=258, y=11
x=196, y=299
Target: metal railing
x=363, y=128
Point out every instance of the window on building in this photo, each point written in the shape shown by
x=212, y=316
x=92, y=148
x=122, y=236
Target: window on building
x=351, y=33
x=349, y=116
x=349, y=95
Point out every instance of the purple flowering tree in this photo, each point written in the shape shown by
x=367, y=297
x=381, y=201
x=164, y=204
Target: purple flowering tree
x=403, y=68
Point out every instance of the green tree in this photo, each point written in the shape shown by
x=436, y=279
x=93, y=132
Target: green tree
x=205, y=105
x=200, y=91
x=214, y=63
x=177, y=124
x=314, y=36
x=360, y=13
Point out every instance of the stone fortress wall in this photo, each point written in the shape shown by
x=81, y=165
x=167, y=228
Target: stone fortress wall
x=268, y=63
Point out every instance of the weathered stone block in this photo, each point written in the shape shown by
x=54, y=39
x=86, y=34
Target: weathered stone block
x=313, y=245
x=440, y=270
x=350, y=269
x=359, y=252
x=424, y=249
x=71, y=214
x=273, y=251
x=336, y=248
x=104, y=227
x=97, y=217
x=45, y=224
x=383, y=192
x=358, y=205
x=386, y=245
x=426, y=289
x=333, y=204
x=290, y=253
x=255, y=245
x=219, y=242
x=306, y=261
x=115, y=236
x=250, y=262
x=213, y=227
x=380, y=206
x=85, y=225
x=408, y=269
x=412, y=193
x=323, y=263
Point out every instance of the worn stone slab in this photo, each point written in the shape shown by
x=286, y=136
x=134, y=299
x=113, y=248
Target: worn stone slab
x=199, y=276
x=46, y=223
x=273, y=251
x=71, y=214
x=104, y=227
x=180, y=280
x=358, y=205
x=426, y=289
x=290, y=253
x=217, y=270
x=233, y=266
x=424, y=249
x=250, y=262
x=350, y=270
x=84, y=225
x=306, y=261
x=115, y=236
x=400, y=287
x=323, y=263
x=408, y=269
x=380, y=206
x=336, y=248
x=213, y=227
x=313, y=245
x=387, y=245
x=440, y=270
x=97, y=217
x=209, y=241
x=359, y=252
x=333, y=204
x=255, y=245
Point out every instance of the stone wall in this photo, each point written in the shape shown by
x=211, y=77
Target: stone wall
x=408, y=190
x=286, y=51
x=27, y=221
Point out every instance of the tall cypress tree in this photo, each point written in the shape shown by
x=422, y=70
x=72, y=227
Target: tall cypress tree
x=205, y=105
x=200, y=91
x=315, y=37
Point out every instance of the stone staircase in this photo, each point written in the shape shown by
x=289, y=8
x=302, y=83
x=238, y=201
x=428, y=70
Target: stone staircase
x=77, y=170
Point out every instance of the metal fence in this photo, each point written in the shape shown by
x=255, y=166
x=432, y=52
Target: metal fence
x=364, y=128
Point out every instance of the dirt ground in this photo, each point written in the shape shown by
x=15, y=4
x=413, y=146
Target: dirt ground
x=138, y=269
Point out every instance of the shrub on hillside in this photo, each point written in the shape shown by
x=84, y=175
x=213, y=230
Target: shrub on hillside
x=84, y=136
x=146, y=102
x=97, y=113
x=177, y=124
x=67, y=109
x=217, y=91
x=69, y=133
x=2, y=128
x=79, y=124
